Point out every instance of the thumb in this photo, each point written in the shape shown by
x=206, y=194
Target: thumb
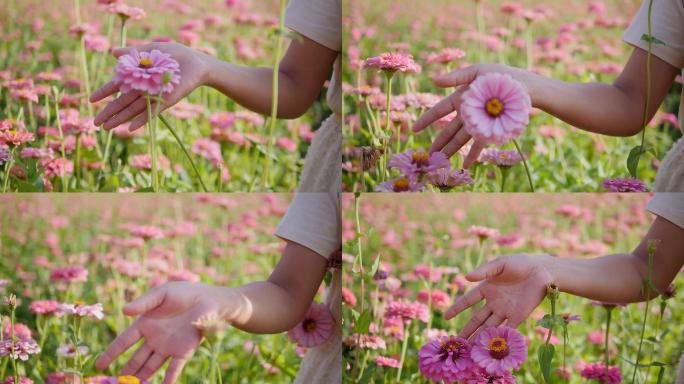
x=487, y=271
x=118, y=52
x=145, y=303
x=456, y=78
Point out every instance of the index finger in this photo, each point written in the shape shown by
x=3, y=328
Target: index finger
x=124, y=341
x=106, y=90
x=441, y=109
x=470, y=298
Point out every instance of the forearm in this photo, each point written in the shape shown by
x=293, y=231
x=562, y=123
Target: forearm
x=594, y=107
x=589, y=277
x=261, y=307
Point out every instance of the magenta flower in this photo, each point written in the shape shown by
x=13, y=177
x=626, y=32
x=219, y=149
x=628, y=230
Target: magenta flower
x=499, y=350
x=624, y=185
x=44, y=307
x=407, y=311
x=401, y=184
x=69, y=274
x=148, y=72
x=22, y=380
x=482, y=233
x=393, y=62
x=316, y=328
x=412, y=163
x=495, y=108
x=598, y=372
x=445, y=56
x=446, y=358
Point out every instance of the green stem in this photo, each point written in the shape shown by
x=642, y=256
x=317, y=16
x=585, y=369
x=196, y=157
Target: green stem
x=153, y=146
x=86, y=75
x=8, y=168
x=385, y=146
x=185, y=151
x=527, y=169
x=648, y=87
x=77, y=166
x=504, y=173
x=266, y=182
x=607, y=352
x=404, y=346
x=647, y=289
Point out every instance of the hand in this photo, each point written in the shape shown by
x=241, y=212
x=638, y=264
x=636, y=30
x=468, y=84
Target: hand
x=453, y=137
x=167, y=313
x=132, y=106
x=512, y=286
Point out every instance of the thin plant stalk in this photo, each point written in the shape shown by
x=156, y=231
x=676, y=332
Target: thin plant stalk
x=609, y=312
x=647, y=104
x=185, y=151
x=274, y=97
x=153, y=146
x=404, y=346
x=527, y=169
x=652, y=245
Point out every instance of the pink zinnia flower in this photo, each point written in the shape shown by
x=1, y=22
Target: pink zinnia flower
x=446, y=179
x=125, y=11
x=495, y=108
x=387, y=362
x=624, y=185
x=446, y=56
x=146, y=232
x=598, y=372
x=148, y=72
x=22, y=349
x=482, y=233
x=208, y=149
x=21, y=331
x=365, y=341
x=500, y=158
x=445, y=359
x=401, y=184
x=499, y=350
x=393, y=62
x=412, y=163
x=407, y=311
x=44, y=307
x=316, y=328
x=22, y=380
x=69, y=274
x=92, y=311
x=478, y=375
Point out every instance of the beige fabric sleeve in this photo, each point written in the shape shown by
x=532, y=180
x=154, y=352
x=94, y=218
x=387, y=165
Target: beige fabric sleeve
x=319, y=20
x=667, y=25
x=313, y=220
x=669, y=206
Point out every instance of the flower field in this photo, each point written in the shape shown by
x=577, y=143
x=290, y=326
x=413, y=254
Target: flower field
x=54, y=56
x=73, y=262
x=400, y=49
x=409, y=266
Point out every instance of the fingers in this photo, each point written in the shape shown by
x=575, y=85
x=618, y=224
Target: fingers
x=116, y=106
x=479, y=317
x=104, y=91
x=446, y=135
x=464, y=302
x=131, y=111
x=118, y=52
x=151, y=366
x=456, y=143
x=174, y=370
x=487, y=271
x=516, y=318
x=473, y=155
x=146, y=302
x=141, y=119
x=121, y=344
x=138, y=360
x=441, y=109
x=458, y=77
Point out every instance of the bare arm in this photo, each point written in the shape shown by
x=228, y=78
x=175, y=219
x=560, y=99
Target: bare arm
x=302, y=73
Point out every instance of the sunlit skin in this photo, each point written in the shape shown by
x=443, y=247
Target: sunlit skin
x=513, y=286
x=165, y=314
x=609, y=109
x=303, y=71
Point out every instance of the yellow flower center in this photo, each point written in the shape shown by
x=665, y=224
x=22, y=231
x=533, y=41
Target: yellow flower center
x=452, y=345
x=309, y=325
x=504, y=155
x=145, y=63
x=497, y=344
x=128, y=380
x=401, y=184
x=420, y=158
x=494, y=107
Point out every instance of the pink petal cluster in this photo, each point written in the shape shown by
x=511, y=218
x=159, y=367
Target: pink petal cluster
x=407, y=311
x=22, y=348
x=624, y=185
x=446, y=179
x=401, y=184
x=500, y=158
x=483, y=233
x=495, y=108
x=94, y=311
x=45, y=307
x=499, y=350
x=69, y=275
x=446, y=56
x=598, y=372
x=393, y=62
x=445, y=359
x=316, y=327
x=151, y=72
x=208, y=149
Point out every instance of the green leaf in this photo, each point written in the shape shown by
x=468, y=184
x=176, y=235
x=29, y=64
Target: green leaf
x=550, y=322
x=363, y=323
x=545, y=355
x=633, y=160
x=652, y=39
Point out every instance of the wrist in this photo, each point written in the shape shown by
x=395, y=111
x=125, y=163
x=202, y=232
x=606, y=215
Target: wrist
x=209, y=69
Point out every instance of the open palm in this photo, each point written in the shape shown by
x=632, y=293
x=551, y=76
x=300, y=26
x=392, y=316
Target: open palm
x=511, y=286
x=167, y=314
x=132, y=106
